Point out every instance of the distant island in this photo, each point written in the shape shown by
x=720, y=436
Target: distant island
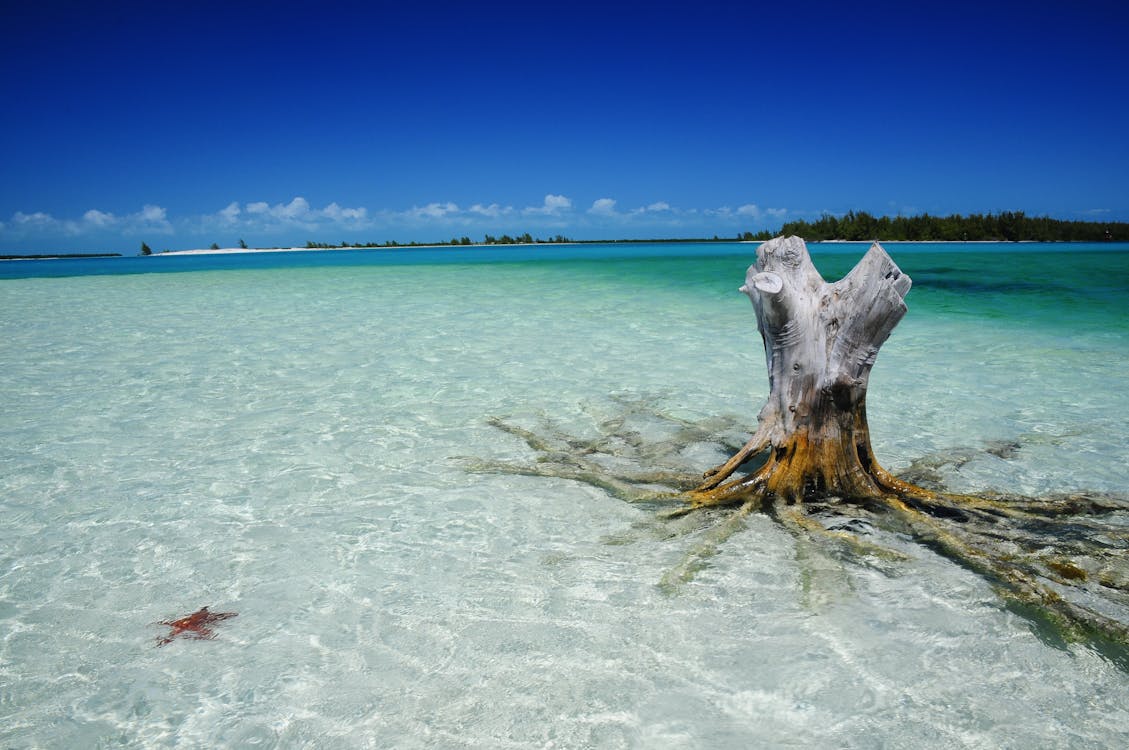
x=1007, y=226
x=854, y=226
x=505, y=239
x=53, y=256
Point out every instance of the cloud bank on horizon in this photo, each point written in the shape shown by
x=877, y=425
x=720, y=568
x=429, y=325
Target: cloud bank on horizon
x=296, y=222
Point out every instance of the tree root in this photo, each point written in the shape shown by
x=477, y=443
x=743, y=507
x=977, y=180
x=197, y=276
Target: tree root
x=697, y=556
x=799, y=522
x=1060, y=560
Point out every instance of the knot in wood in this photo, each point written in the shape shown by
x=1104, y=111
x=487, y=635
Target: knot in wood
x=790, y=257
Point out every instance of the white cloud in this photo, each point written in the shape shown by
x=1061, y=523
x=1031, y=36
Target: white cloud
x=659, y=207
x=432, y=211
x=553, y=205
x=152, y=213
x=335, y=212
x=297, y=219
x=603, y=207
x=262, y=216
x=293, y=210
x=748, y=212
x=149, y=214
x=557, y=202
x=97, y=218
x=150, y=218
x=492, y=211
x=37, y=219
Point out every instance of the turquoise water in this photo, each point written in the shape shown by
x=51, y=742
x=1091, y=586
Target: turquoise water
x=278, y=435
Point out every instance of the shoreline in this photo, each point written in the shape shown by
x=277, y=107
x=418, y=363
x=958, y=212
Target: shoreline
x=437, y=246
x=230, y=251
x=478, y=245
x=441, y=246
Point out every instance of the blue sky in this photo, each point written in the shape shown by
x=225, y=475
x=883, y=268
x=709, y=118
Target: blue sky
x=182, y=124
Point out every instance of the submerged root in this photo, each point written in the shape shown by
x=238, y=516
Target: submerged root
x=618, y=458
x=1062, y=560
x=844, y=540
x=696, y=558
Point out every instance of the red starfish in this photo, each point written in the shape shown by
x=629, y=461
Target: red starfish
x=194, y=626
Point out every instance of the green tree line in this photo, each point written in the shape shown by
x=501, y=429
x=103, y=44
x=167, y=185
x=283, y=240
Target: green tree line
x=856, y=226
x=489, y=239
x=1006, y=226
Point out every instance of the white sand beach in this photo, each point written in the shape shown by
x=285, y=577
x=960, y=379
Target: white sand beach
x=233, y=250
x=230, y=250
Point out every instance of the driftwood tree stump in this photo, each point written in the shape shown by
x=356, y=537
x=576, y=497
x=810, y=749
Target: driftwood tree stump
x=820, y=342
x=1061, y=559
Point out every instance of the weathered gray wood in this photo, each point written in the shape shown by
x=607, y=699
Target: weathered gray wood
x=820, y=341
x=820, y=338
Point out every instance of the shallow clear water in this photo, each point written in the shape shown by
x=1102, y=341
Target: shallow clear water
x=282, y=441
